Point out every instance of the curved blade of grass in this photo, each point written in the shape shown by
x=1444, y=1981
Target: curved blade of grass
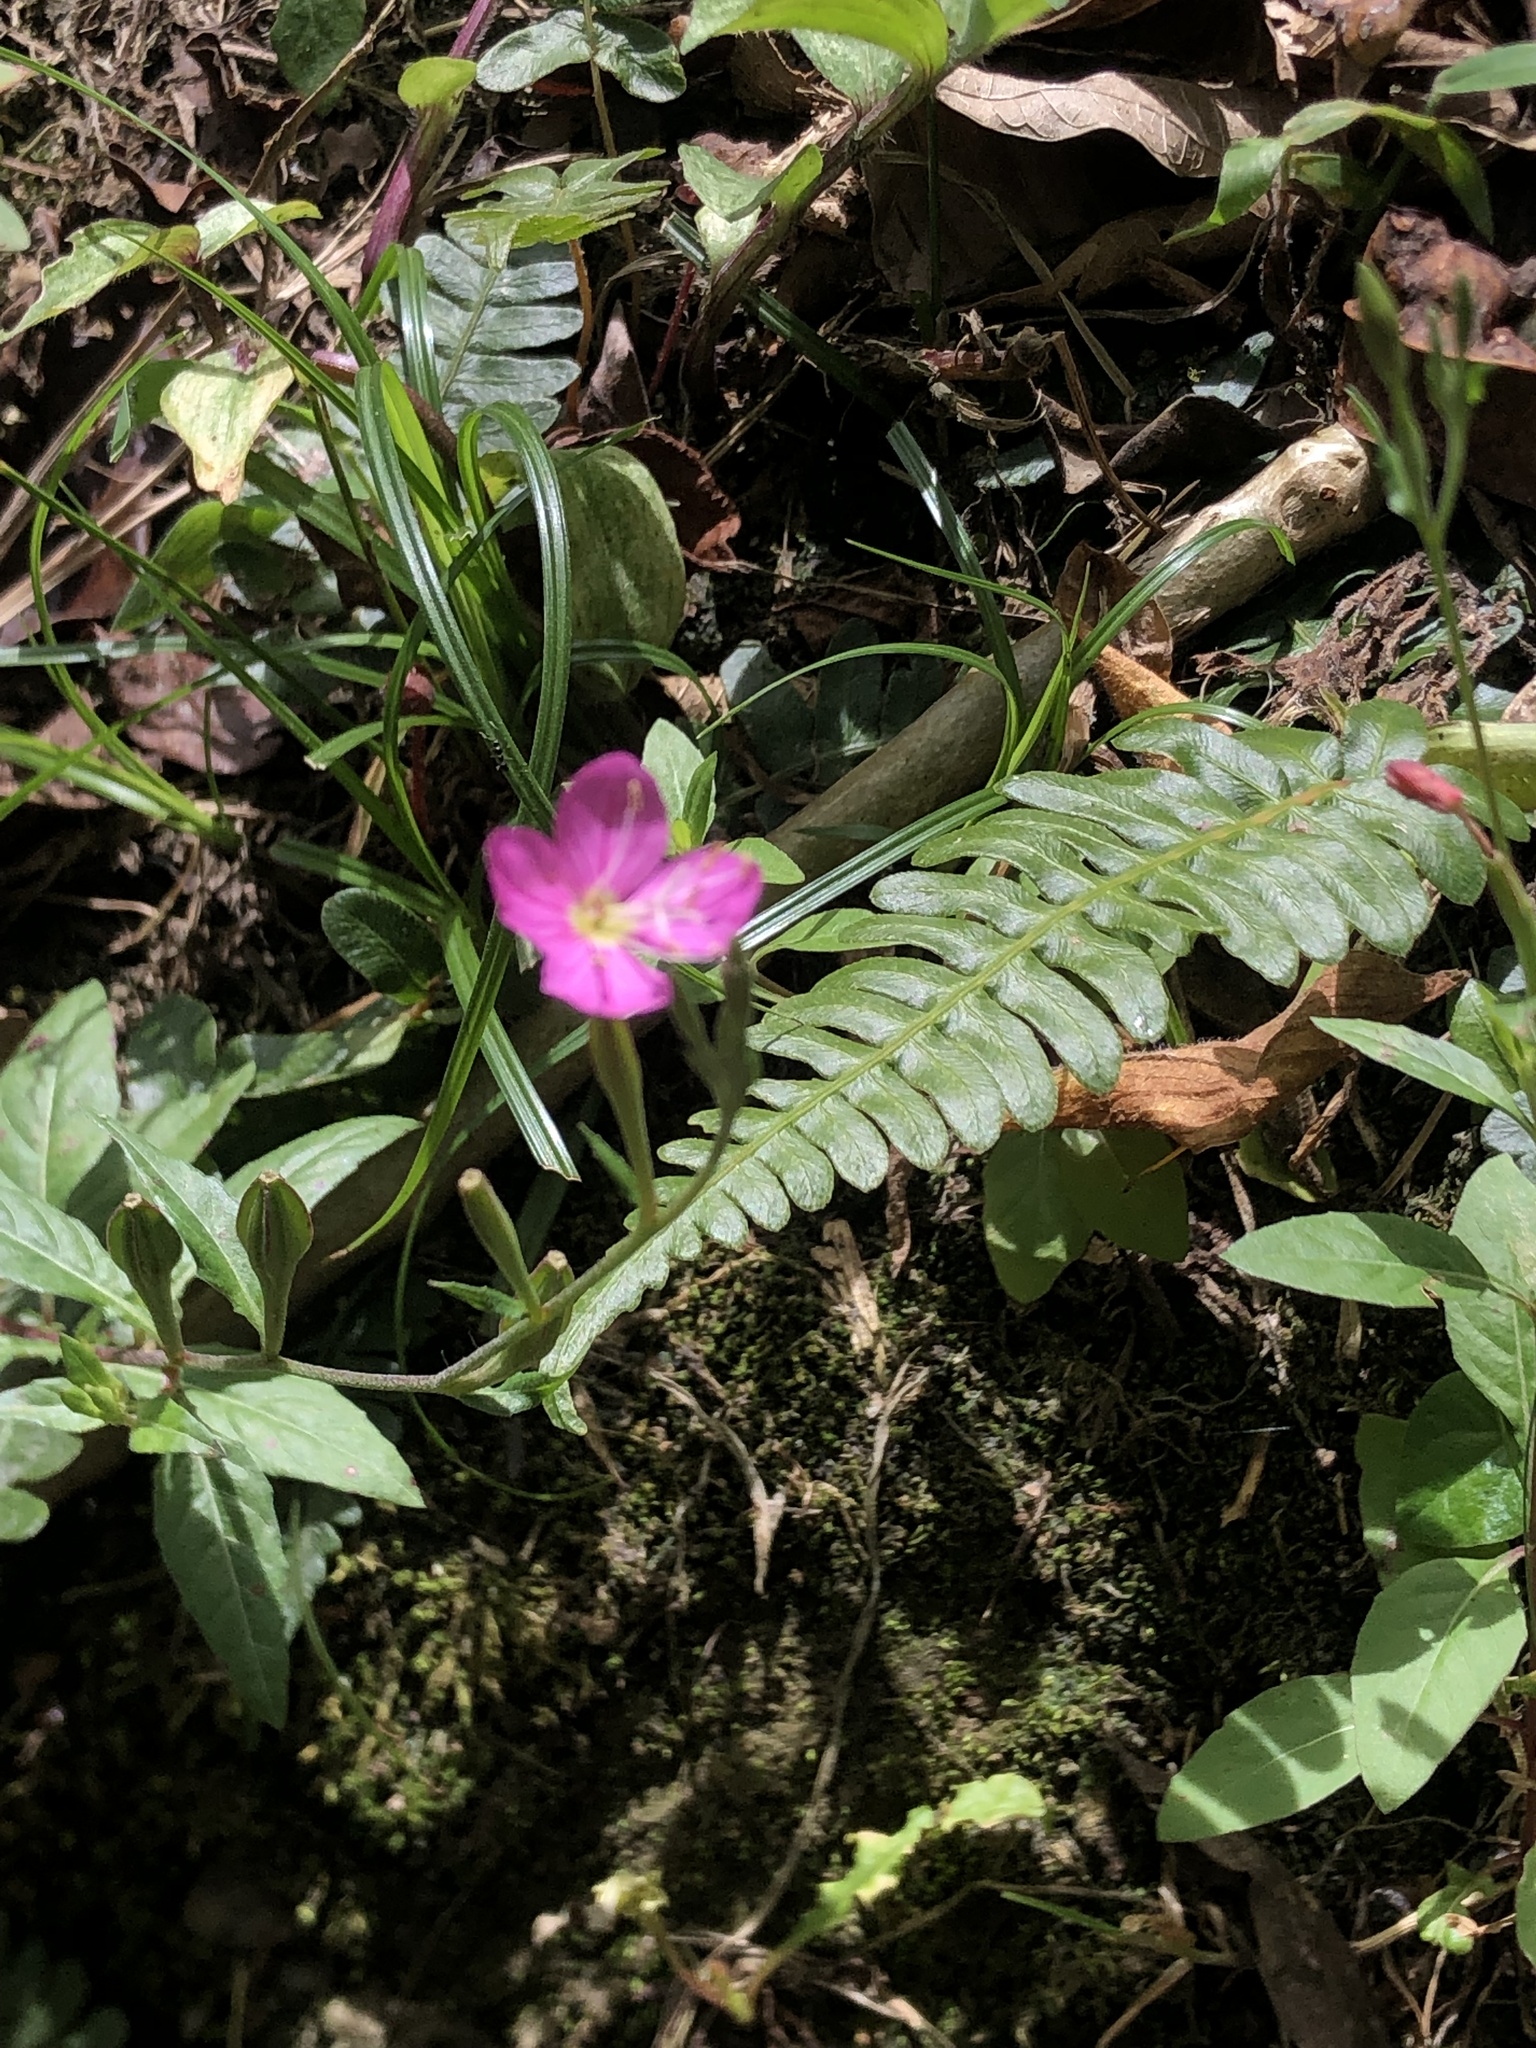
x=540, y=1133
x=432, y=594
x=350, y=872
x=939, y=649
x=478, y=1012
x=555, y=563
x=416, y=326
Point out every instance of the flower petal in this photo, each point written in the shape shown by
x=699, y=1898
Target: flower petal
x=611, y=829
x=531, y=894
x=603, y=981
x=697, y=904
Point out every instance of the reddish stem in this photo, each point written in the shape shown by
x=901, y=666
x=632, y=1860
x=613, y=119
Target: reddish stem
x=674, y=327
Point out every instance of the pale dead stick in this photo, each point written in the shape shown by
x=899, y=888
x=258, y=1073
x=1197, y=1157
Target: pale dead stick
x=767, y=1510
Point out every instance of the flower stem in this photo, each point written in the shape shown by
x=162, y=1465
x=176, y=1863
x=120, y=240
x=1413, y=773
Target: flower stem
x=616, y=1062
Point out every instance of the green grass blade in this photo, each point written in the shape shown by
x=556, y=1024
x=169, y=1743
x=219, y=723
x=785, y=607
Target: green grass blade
x=540, y=1133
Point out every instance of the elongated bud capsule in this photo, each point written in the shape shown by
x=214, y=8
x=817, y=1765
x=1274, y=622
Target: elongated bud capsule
x=147, y=1245
x=497, y=1232
x=92, y=1389
x=274, y=1225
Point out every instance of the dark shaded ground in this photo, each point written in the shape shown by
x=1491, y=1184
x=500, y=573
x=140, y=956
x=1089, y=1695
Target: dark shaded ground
x=550, y=1689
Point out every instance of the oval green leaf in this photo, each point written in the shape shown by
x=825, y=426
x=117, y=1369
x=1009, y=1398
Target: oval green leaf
x=1280, y=1754
x=1436, y=1644
x=1386, y=1261
x=1460, y=1484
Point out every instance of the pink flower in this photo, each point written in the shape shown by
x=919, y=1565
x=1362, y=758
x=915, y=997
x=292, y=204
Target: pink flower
x=604, y=904
x=1424, y=785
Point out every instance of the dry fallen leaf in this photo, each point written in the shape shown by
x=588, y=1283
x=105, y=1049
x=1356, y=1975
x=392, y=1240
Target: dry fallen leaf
x=1187, y=127
x=217, y=728
x=1215, y=1092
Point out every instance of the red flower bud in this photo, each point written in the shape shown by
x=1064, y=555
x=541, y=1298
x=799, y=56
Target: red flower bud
x=1424, y=785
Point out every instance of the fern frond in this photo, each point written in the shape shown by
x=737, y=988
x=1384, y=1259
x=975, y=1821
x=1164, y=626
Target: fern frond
x=1044, y=932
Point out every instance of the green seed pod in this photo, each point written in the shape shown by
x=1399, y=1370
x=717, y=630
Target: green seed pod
x=498, y=1234
x=147, y=1245
x=274, y=1225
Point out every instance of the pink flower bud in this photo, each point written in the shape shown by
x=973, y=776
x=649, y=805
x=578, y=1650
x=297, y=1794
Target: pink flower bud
x=1424, y=785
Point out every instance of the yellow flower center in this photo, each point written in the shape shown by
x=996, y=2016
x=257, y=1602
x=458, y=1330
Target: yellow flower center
x=602, y=918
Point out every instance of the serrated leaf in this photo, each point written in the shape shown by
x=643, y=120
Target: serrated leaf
x=1280, y=1754
x=991, y=1803
x=1435, y=1646
x=498, y=319
x=294, y=1428
x=536, y=204
x=878, y=1861
x=61, y=1077
x=394, y=951
x=48, y=1252
x=197, y=1204
x=217, y=1529
x=1387, y=1261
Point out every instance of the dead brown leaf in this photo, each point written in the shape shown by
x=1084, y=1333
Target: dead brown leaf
x=706, y=519
x=1187, y=127
x=214, y=728
x=1216, y=1092
x=1091, y=584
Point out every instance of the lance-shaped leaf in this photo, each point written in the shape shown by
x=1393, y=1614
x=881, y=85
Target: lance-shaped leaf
x=200, y=1208
x=98, y=255
x=217, y=1528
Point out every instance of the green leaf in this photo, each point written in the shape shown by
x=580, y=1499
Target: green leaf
x=1280, y=1754
x=1525, y=1906
x=633, y=583
x=285, y=1065
x=1436, y=1645
x=217, y=1530
x=497, y=318
x=1129, y=1187
x=991, y=1803
x=1248, y=169
x=1386, y=1261
x=1482, y=1025
x=197, y=1204
x=31, y=1451
x=316, y=1164
x=189, y=553
x=535, y=1122
x=1033, y=1227
x=436, y=81
x=1379, y=1454
x=878, y=1862
x=21, y=1515
x=1444, y=1914
x=178, y=1091
x=311, y=37
x=521, y=59
x=777, y=867
x=233, y=219
x=394, y=951
x=642, y=57
x=297, y=1428
x=862, y=72
x=914, y=29
x=100, y=253
x=978, y=24
x=1494, y=1338
x=1460, y=1485
x=15, y=235
x=48, y=1252
x=218, y=405
x=61, y=1077
x=166, y=1429
x=535, y=204
x=1504, y=69
x=1443, y=1065
x=674, y=760
x=38, y=1401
